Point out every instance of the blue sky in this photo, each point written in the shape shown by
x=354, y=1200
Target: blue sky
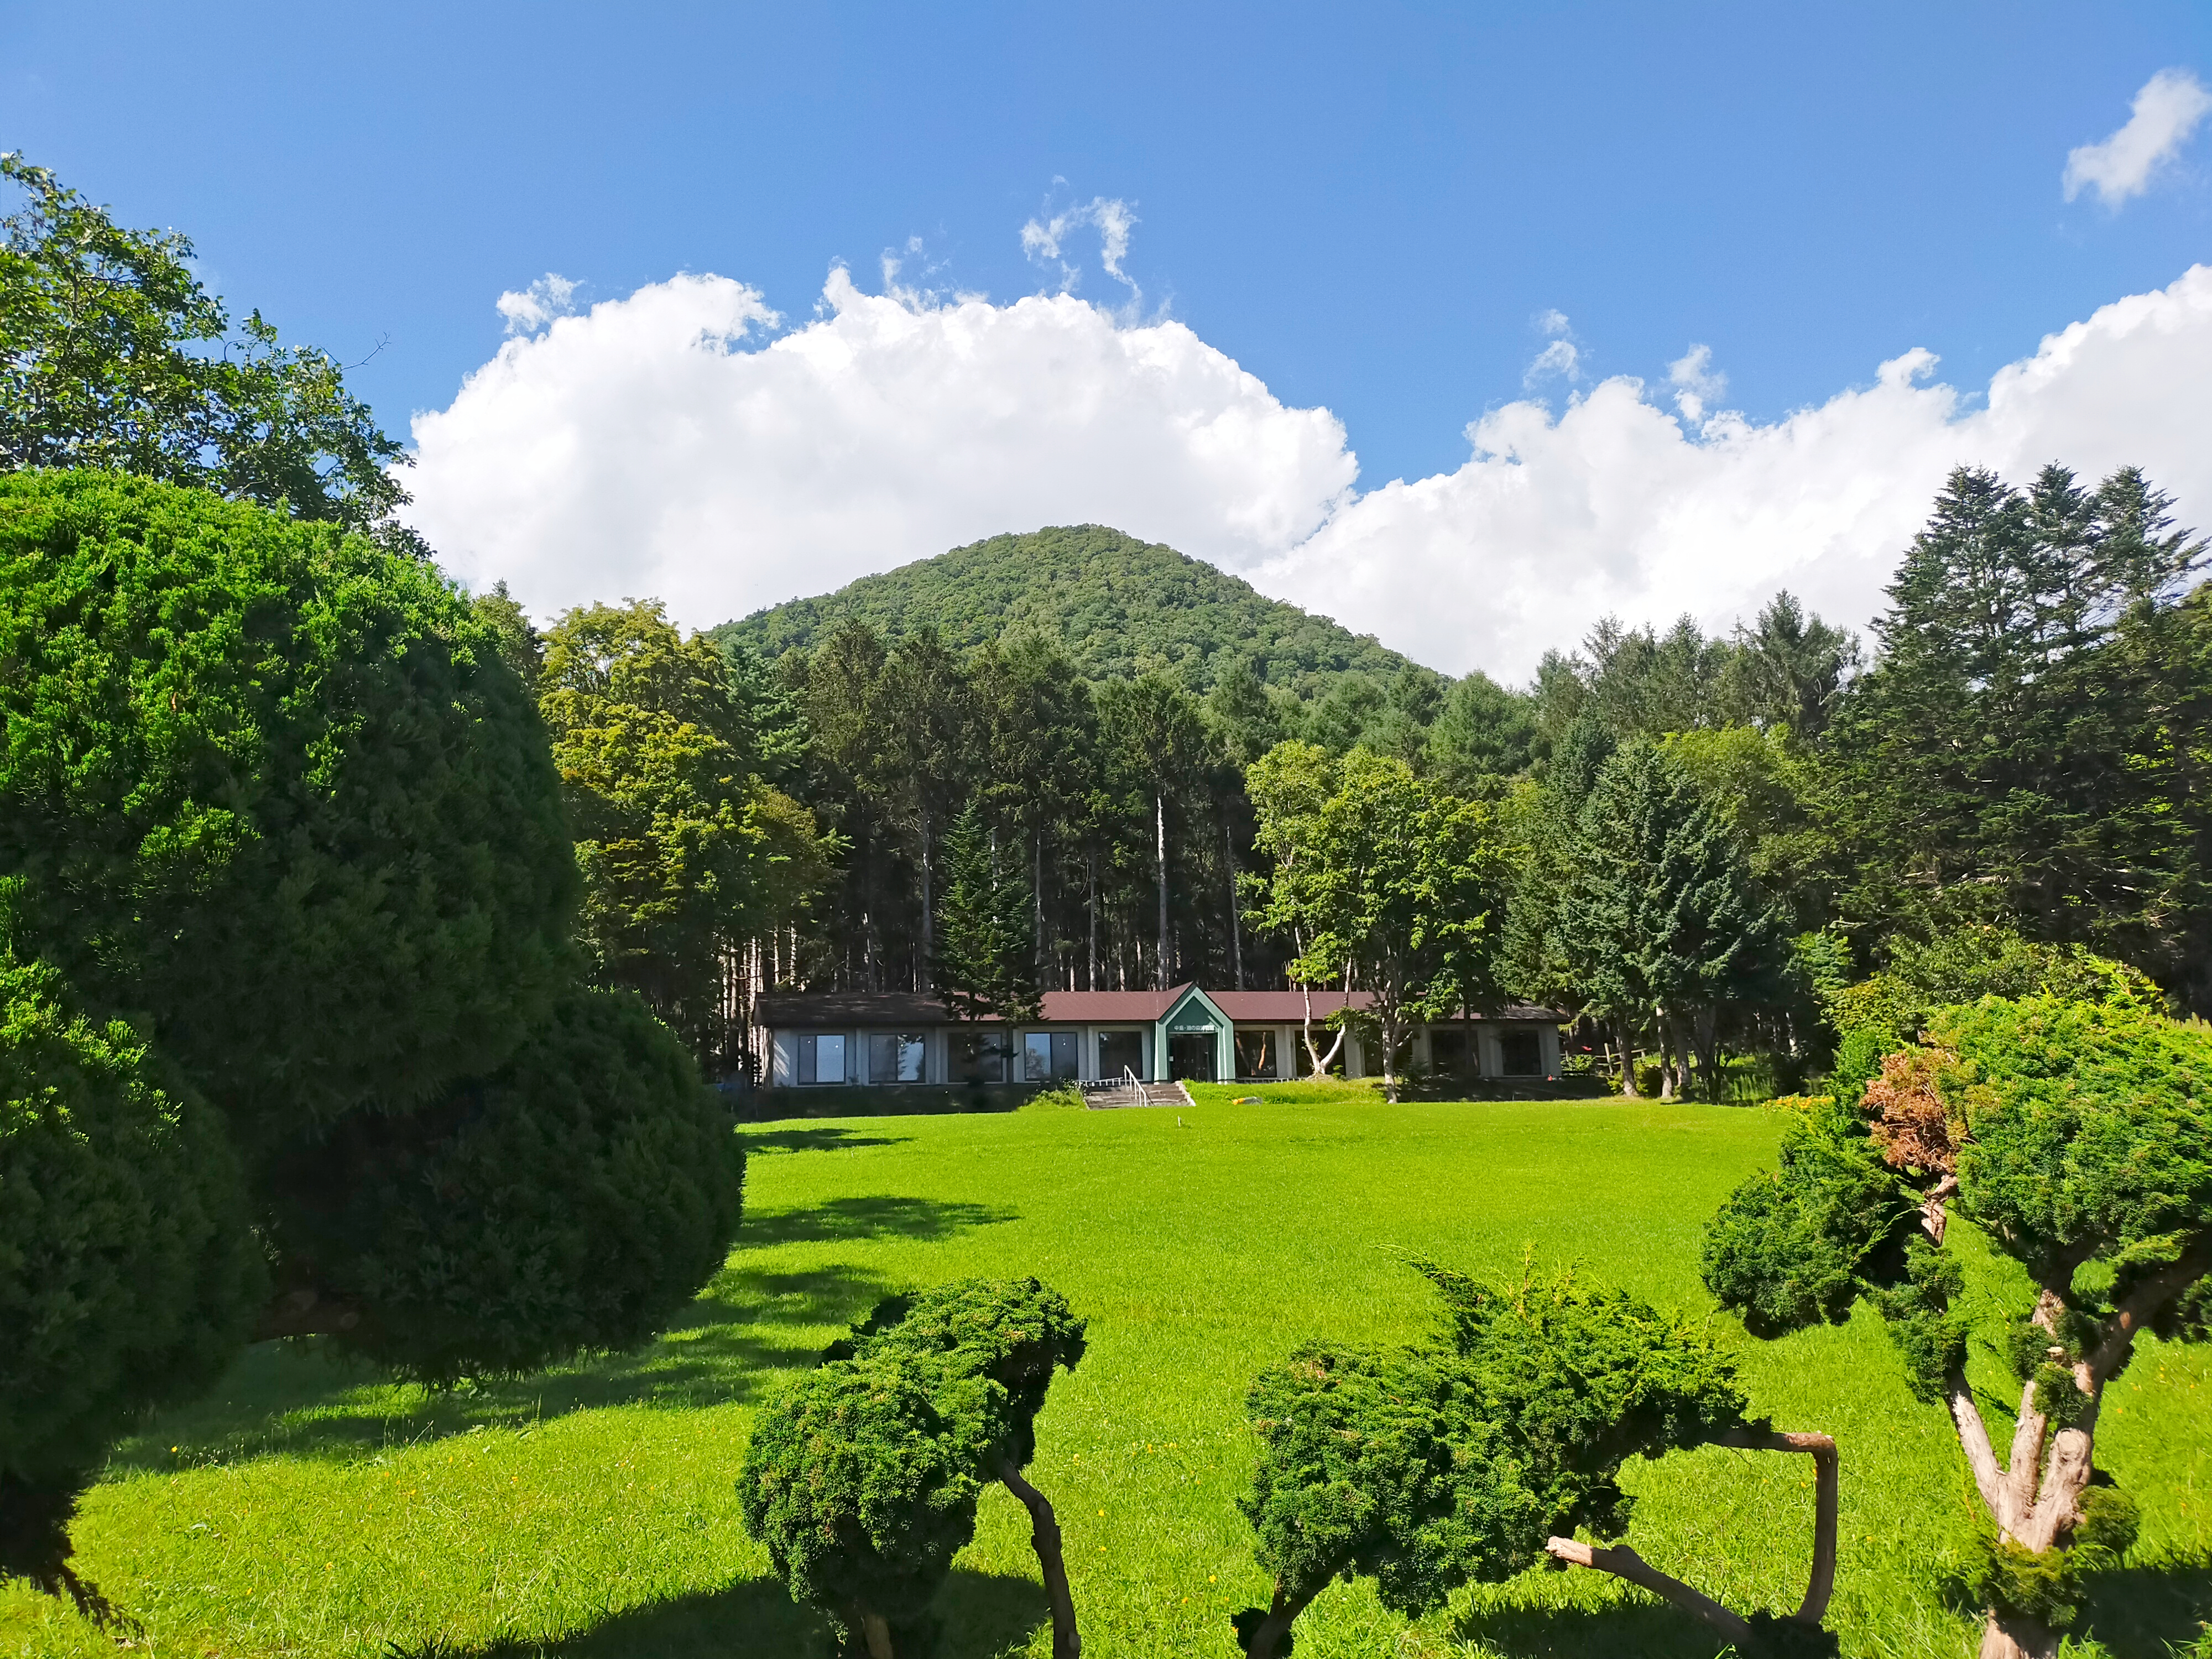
x=1369, y=208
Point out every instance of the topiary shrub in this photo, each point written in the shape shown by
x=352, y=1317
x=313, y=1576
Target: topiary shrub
x=862, y=1478
x=1469, y=1458
x=1013, y=1335
x=574, y=1201
x=1788, y=1249
x=2077, y=1134
x=128, y=1273
x=272, y=786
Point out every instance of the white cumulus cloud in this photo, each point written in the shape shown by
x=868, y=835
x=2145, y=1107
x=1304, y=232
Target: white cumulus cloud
x=664, y=444
x=2164, y=113
x=1617, y=505
x=674, y=443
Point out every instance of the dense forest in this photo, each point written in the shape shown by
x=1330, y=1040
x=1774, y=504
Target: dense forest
x=2020, y=749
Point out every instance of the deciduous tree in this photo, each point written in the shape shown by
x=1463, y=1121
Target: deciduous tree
x=112, y=354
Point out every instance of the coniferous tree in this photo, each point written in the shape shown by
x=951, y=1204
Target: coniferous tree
x=984, y=965
x=1998, y=761
x=1660, y=919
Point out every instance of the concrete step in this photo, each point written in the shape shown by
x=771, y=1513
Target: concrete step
x=1113, y=1096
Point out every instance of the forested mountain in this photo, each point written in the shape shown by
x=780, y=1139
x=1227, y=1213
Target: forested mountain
x=1116, y=606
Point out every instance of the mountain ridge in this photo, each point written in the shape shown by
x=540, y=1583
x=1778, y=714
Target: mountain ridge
x=1119, y=606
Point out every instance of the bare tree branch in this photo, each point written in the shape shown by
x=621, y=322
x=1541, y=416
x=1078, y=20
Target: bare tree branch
x=1623, y=1562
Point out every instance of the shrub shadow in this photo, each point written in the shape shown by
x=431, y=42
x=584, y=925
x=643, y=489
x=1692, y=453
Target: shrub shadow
x=845, y=1220
x=1628, y=1630
x=2153, y=1609
x=986, y=1616
x=749, y=1325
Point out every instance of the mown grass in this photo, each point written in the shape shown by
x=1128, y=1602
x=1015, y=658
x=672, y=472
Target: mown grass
x=591, y=1512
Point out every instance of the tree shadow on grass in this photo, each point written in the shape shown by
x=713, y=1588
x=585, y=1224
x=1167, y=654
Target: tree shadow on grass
x=841, y=1220
x=2153, y=1609
x=826, y=1140
x=750, y=1324
x=986, y=1616
x=1627, y=1630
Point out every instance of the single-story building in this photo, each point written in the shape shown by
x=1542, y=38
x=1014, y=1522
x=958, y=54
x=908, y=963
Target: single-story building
x=1187, y=1034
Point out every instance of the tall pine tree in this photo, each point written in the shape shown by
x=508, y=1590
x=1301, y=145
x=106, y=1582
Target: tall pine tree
x=1661, y=920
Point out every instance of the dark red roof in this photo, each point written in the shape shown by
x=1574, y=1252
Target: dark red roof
x=1280, y=1007
x=784, y=1009
x=1108, y=1008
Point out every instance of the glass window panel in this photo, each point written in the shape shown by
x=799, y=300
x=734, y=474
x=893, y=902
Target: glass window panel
x=1063, y=1057
x=1256, y=1053
x=912, y=1053
x=807, y=1057
x=1522, y=1054
x=829, y=1057
x=883, y=1057
x=980, y=1056
x=1121, y=1051
x=1448, y=1053
x=1036, y=1056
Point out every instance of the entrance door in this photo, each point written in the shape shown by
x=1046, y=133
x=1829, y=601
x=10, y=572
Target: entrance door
x=1190, y=1057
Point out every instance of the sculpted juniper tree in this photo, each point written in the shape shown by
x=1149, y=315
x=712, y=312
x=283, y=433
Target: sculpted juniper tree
x=2074, y=1135
x=269, y=794
x=1472, y=1457
x=1382, y=881
x=862, y=1478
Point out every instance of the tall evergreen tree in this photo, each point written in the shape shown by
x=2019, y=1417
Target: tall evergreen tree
x=984, y=965
x=1662, y=920
x=1998, y=761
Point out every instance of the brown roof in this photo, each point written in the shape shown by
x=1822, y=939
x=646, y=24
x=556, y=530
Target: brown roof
x=1108, y=1007
x=784, y=1009
x=1276, y=1007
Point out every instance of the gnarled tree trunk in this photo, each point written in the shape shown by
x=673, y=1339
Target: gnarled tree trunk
x=1044, y=1539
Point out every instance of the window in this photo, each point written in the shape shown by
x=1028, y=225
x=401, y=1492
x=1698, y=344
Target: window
x=1255, y=1055
x=822, y=1057
x=1447, y=1053
x=1048, y=1056
x=1522, y=1054
x=1121, y=1051
x=979, y=1056
x=895, y=1058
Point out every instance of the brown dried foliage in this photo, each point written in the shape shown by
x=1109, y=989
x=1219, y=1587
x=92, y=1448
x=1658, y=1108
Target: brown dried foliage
x=1911, y=1124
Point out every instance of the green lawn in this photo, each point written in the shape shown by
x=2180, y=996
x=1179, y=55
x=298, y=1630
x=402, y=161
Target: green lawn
x=308, y=1510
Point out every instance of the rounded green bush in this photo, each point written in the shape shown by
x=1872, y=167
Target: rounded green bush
x=861, y=1481
x=128, y=1273
x=574, y=1202
x=271, y=787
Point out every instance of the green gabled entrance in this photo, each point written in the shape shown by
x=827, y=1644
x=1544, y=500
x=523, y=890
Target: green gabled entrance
x=1194, y=1040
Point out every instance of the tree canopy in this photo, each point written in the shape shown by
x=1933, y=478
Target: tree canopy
x=293, y=1027
x=112, y=354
